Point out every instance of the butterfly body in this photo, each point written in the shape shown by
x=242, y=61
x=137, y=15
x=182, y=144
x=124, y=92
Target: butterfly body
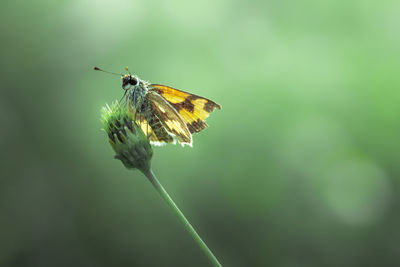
x=166, y=114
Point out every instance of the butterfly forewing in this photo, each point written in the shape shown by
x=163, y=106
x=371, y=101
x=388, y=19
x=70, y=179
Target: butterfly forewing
x=192, y=109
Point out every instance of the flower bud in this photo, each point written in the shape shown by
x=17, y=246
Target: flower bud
x=127, y=139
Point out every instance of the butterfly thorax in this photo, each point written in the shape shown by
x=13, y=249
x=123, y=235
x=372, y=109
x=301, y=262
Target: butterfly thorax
x=136, y=92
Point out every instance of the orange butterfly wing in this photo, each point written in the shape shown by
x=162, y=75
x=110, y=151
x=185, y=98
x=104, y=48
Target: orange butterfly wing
x=193, y=109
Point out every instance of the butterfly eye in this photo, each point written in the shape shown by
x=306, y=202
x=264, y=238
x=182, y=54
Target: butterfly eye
x=133, y=81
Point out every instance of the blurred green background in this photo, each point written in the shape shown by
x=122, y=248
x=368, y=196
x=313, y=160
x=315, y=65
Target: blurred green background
x=299, y=168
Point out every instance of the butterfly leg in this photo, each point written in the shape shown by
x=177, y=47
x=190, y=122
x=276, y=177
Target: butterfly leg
x=147, y=113
x=123, y=98
x=137, y=106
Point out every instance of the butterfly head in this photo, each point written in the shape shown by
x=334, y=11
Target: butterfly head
x=129, y=81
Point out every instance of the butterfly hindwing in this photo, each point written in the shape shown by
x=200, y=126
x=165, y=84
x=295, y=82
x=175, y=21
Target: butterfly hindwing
x=192, y=109
x=169, y=118
x=157, y=134
x=152, y=127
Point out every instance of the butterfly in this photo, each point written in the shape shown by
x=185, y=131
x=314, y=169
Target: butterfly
x=165, y=114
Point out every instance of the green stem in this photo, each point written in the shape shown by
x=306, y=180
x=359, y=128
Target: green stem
x=150, y=175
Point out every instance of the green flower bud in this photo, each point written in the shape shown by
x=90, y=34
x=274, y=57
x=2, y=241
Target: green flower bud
x=127, y=139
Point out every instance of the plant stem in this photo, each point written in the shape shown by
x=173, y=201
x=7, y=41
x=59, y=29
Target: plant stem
x=153, y=179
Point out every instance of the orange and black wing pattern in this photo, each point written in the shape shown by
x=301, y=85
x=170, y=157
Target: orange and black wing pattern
x=161, y=122
x=192, y=109
x=153, y=129
x=169, y=118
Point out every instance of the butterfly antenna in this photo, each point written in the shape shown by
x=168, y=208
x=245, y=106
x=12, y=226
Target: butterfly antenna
x=96, y=68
